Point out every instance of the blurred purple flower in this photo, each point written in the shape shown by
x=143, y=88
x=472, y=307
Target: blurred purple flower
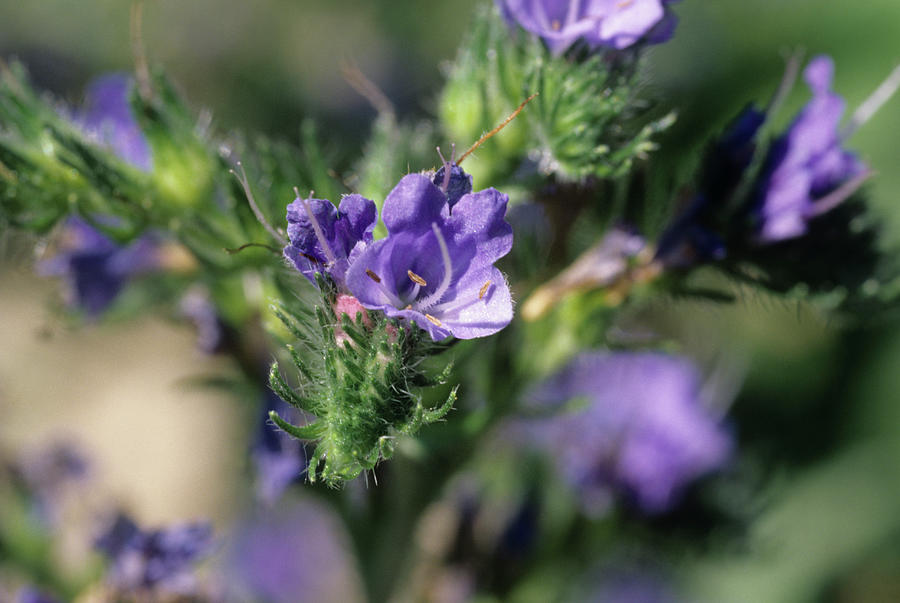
x=48, y=474
x=807, y=164
x=329, y=241
x=106, y=116
x=95, y=268
x=158, y=560
x=629, y=585
x=436, y=267
x=614, y=24
x=32, y=595
x=199, y=309
x=644, y=431
x=692, y=237
x=292, y=554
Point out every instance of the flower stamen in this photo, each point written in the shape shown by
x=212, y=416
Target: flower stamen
x=484, y=289
x=433, y=320
x=373, y=276
x=416, y=278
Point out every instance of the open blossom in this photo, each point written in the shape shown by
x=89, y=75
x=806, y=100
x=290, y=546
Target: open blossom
x=335, y=235
x=106, y=116
x=807, y=162
x=600, y=23
x=644, y=431
x=436, y=267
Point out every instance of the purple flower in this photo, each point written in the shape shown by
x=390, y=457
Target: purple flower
x=106, y=116
x=807, y=163
x=32, y=595
x=629, y=584
x=329, y=241
x=197, y=307
x=643, y=430
x=96, y=268
x=614, y=24
x=155, y=560
x=292, y=554
x=436, y=267
x=47, y=476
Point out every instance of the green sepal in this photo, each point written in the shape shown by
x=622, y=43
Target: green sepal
x=313, y=431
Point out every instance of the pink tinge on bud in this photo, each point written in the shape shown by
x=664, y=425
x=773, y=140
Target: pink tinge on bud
x=349, y=305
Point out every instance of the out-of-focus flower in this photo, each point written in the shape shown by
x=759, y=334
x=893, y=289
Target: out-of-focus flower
x=280, y=460
x=614, y=24
x=436, y=267
x=106, y=116
x=32, y=595
x=154, y=561
x=292, y=554
x=325, y=238
x=47, y=475
x=694, y=236
x=807, y=163
x=95, y=268
x=643, y=431
x=627, y=584
x=805, y=173
x=199, y=309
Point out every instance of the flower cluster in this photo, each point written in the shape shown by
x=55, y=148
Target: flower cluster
x=598, y=23
x=436, y=266
x=154, y=561
x=644, y=431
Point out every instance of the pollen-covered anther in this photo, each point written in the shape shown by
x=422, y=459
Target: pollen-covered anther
x=373, y=276
x=433, y=320
x=484, y=289
x=416, y=278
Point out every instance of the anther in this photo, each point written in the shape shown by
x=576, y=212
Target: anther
x=416, y=278
x=373, y=276
x=556, y=25
x=484, y=290
x=624, y=3
x=433, y=320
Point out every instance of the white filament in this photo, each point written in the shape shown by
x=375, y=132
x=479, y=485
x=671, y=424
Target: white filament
x=438, y=293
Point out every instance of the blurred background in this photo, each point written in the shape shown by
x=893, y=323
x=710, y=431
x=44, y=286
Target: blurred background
x=818, y=418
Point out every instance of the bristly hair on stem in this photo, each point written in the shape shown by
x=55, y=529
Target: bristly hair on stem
x=363, y=390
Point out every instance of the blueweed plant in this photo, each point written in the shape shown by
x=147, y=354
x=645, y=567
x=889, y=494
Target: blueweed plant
x=387, y=301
